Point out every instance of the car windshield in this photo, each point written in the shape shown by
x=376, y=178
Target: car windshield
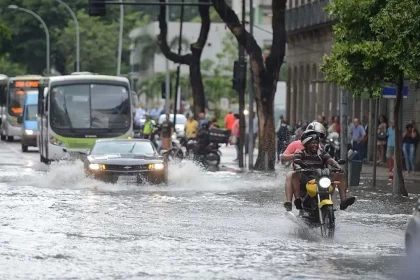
x=31, y=112
x=90, y=106
x=123, y=147
x=180, y=119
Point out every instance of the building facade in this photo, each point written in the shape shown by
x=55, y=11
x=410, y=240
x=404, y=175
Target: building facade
x=309, y=38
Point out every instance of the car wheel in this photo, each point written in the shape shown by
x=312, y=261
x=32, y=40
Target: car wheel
x=24, y=148
x=9, y=138
x=3, y=137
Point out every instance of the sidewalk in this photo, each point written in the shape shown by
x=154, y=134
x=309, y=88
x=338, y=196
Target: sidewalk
x=229, y=155
x=412, y=181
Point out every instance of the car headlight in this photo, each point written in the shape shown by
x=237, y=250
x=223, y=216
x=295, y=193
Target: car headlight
x=325, y=182
x=156, y=166
x=95, y=166
x=29, y=132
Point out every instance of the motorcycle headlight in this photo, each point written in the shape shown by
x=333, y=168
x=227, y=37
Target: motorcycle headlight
x=325, y=182
x=174, y=136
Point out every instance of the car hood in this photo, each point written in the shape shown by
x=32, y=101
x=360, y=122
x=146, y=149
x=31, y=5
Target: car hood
x=125, y=159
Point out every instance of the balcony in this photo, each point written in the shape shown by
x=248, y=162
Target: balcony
x=307, y=17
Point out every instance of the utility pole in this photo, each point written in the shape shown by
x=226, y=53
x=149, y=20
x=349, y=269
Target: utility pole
x=251, y=96
x=241, y=74
x=343, y=130
x=120, y=39
x=375, y=144
x=167, y=78
x=178, y=70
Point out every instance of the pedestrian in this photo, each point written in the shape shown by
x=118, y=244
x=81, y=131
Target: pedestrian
x=410, y=137
x=235, y=135
x=191, y=127
x=390, y=148
x=283, y=136
x=358, y=138
x=155, y=112
x=229, y=120
x=167, y=129
x=381, y=139
x=140, y=113
x=255, y=131
x=148, y=128
x=337, y=124
x=202, y=119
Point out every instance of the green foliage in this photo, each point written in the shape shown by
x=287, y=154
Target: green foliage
x=10, y=68
x=375, y=43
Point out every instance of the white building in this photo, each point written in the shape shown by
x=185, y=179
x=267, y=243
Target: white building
x=191, y=31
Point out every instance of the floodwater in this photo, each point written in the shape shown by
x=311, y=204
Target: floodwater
x=57, y=224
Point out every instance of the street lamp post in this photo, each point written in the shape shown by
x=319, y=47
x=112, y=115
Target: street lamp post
x=14, y=7
x=76, y=22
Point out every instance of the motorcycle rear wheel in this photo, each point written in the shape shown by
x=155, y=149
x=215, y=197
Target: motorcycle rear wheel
x=212, y=159
x=328, y=228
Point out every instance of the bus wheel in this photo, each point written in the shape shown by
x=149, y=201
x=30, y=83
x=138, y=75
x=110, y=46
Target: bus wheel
x=3, y=137
x=9, y=138
x=24, y=148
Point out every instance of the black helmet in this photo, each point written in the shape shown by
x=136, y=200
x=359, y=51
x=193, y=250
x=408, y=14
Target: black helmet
x=318, y=128
x=308, y=136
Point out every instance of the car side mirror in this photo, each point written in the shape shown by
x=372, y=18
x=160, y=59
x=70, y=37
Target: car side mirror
x=19, y=119
x=341, y=161
x=163, y=152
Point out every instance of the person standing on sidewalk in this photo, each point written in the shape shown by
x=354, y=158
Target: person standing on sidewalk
x=410, y=137
x=167, y=129
x=390, y=146
x=358, y=137
x=381, y=139
x=235, y=135
x=229, y=120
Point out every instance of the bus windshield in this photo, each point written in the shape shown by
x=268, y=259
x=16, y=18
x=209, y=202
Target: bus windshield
x=31, y=112
x=90, y=106
x=16, y=100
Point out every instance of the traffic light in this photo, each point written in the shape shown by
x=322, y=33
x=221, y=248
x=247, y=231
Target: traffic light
x=163, y=90
x=239, y=76
x=97, y=8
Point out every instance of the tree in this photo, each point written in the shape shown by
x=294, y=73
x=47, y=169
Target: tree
x=376, y=43
x=265, y=74
x=191, y=59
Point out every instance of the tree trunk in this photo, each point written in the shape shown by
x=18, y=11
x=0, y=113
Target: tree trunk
x=265, y=74
x=266, y=130
x=398, y=136
x=193, y=59
x=197, y=87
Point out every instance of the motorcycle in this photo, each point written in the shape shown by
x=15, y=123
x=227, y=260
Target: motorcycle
x=207, y=156
x=333, y=145
x=318, y=207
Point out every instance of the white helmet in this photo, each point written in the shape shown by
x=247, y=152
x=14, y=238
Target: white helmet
x=318, y=128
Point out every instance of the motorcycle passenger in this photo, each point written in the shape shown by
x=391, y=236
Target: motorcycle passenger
x=313, y=158
x=288, y=154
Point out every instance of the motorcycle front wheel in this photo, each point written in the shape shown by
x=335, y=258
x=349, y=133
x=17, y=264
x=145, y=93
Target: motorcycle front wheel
x=328, y=228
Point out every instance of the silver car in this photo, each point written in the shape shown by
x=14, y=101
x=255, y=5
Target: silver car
x=412, y=234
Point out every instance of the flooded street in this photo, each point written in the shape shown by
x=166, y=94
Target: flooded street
x=56, y=224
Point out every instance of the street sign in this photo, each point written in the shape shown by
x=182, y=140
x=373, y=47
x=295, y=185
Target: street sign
x=391, y=92
x=224, y=104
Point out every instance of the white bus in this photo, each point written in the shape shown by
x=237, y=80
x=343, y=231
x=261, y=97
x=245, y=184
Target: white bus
x=3, y=86
x=15, y=92
x=75, y=110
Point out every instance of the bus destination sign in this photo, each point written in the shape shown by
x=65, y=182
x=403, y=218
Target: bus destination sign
x=25, y=84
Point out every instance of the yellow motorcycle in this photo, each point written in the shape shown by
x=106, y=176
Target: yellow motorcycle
x=318, y=207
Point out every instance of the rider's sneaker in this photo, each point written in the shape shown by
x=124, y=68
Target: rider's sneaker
x=288, y=205
x=298, y=203
x=346, y=203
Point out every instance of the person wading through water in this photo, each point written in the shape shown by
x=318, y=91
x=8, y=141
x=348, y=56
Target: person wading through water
x=167, y=129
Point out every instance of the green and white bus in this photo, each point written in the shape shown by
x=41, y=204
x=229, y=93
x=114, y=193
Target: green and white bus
x=76, y=110
x=12, y=103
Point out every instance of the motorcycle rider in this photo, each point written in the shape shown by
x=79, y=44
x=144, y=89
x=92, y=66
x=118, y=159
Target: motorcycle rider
x=312, y=158
x=288, y=154
x=203, y=139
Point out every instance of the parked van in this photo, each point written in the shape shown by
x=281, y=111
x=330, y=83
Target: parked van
x=29, y=121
